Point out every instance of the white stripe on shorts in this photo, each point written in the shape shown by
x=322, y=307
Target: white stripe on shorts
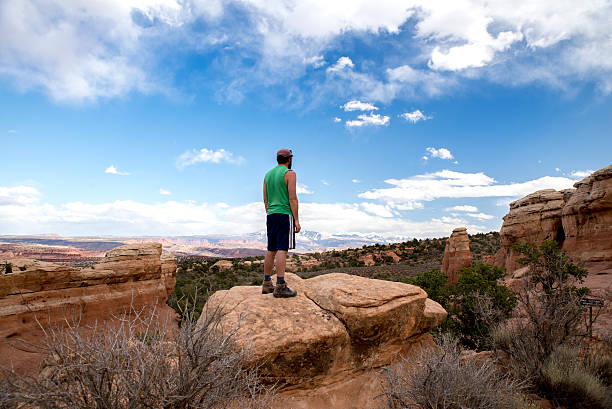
x=291, y=233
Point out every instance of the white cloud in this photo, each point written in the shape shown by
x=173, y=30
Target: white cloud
x=356, y=181
x=303, y=189
x=325, y=182
x=206, y=155
x=452, y=184
x=415, y=116
x=356, y=105
x=441, y=153
x=371, y=119
x=341, y=64
x=84, y=50
x=317, y=61
x=557, y=170
x=18, y=195
x=377, y=209
x=164, y=192
x=505, y=202
x=78, y=50
x=113, y=171
x=425, y=158
x=581, y=173
x=336, y=119
x=131, y=218
x=481, y=216
x=12, y=131
x=463, y=208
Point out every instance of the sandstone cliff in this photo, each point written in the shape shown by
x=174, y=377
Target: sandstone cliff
x=135, y=274
x=324, y=345
x=587, y=221
x=457, y=254
x=580, y=219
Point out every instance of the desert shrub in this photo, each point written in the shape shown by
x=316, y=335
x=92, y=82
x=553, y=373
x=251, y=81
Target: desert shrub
x=568, y=382
x=138, y=361
x=549, y=313
x=434, y=282
x=546, y=342
x=439, y=379
x=478, y=303
x=475, y=304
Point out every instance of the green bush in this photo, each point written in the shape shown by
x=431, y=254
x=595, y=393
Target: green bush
x=434, y=282
x=474, y=304
x=478, y=303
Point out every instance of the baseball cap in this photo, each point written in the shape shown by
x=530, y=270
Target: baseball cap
x=285, y=153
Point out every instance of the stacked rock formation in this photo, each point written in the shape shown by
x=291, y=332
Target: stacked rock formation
x=579, y=219
x=533, y=218
x=135, y=275
x=457, y=254
x=324, y=345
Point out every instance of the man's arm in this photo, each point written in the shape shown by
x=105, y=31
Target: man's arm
x=264, y=196
x=291, y=179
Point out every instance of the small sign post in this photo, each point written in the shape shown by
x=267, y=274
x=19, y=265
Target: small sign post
x=591, y=302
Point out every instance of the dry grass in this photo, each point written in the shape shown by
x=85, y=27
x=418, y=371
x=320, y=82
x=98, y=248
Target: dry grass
x=571, y=384
x=439, y=379
x=138, y=361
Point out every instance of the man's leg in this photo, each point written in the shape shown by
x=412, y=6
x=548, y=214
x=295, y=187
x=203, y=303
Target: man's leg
x=281, y=263
x=267, y=286
x=269, y=264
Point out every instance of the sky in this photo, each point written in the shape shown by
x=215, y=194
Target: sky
x=406, y=118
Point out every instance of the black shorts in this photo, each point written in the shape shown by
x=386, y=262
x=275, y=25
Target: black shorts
x=281, y=232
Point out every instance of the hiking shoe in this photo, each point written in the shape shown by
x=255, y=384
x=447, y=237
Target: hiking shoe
x=282, y=291
x=267, y=287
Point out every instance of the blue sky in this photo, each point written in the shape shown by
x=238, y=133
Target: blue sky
x=407, y=118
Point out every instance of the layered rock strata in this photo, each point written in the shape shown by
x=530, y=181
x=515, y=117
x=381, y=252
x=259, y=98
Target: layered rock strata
x=134, y=275
x=324, y=345
x=457, y=254
x=579, y=219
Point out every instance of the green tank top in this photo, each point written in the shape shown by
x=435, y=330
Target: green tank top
x=276, y=191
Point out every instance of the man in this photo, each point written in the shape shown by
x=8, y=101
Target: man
x=280, y=199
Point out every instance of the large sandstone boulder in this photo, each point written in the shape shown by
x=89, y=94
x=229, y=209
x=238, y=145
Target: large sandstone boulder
x=457, y=254
x=324, y=345
x=134, y=275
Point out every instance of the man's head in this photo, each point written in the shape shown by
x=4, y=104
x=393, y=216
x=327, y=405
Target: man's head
x=284, y=157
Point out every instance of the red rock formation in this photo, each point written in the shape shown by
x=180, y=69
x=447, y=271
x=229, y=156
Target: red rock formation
x=457, y=254
x=587, y=221
x=326, y=344
x=135, y=274
x=533, y=218
x=579, y=219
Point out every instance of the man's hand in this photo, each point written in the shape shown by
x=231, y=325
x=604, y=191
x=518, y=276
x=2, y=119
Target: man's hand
x=297, y=227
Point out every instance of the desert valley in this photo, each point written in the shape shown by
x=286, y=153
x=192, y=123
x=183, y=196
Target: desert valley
x=355, y=313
